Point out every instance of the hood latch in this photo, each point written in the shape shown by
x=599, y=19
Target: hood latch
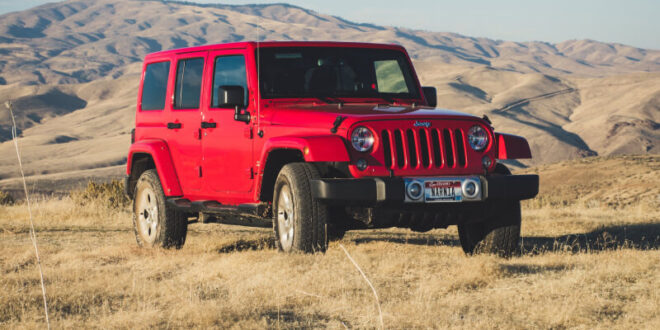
x=336, y=124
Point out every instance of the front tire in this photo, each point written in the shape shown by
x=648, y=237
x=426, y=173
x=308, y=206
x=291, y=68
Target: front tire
x=499, y=233
x=299, y=221
x=156, y=224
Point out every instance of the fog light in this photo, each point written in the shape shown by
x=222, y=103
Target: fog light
x=470, y=189
x=414, y=190
x=361, y=164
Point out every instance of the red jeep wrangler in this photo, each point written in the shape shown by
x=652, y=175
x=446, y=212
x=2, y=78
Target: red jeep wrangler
x=317, y=138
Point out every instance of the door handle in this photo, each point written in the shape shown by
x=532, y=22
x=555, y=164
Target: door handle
x=173, y=125
x=206, y=124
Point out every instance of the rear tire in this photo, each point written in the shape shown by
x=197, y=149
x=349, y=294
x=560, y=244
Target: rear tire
x=299, y=221
x=156, y=224
x=499, y=233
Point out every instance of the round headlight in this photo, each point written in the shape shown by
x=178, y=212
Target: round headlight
x=478, y=138
x=362, y=139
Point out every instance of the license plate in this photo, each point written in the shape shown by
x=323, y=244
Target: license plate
x=442, y=191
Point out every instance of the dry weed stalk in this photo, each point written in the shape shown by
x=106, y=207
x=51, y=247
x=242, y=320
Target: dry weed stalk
x=380, y=312
x=33, y=235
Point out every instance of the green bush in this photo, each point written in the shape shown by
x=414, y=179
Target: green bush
x=6, y=198
x=110, y=194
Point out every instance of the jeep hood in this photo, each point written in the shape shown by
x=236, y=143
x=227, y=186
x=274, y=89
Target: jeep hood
x=323, y=116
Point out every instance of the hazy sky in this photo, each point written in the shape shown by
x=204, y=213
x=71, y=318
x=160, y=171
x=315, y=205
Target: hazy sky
x=632, y=22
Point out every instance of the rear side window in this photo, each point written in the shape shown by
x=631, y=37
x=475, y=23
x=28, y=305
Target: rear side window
x=188, y=83
x=229, y=71
x=155, y=86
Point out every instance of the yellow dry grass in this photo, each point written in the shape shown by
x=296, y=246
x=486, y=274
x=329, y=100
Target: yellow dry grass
x=585, y=265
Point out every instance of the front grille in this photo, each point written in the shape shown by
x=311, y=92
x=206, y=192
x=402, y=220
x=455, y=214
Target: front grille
x=424, y=148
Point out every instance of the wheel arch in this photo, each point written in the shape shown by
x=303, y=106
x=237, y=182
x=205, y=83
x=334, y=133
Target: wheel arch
x=276, y=159
x=280, y=151
x=152, y=154
x=140, y=162
x=511, y=146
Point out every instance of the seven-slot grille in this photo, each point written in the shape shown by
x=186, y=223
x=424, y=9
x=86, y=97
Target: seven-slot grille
x=424, y=148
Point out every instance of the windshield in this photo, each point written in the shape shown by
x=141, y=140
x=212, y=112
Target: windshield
x=297, y=72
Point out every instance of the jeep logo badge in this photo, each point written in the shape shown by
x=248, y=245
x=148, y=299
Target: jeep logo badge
x=422, y=124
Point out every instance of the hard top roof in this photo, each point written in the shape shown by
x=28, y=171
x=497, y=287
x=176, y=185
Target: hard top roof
x=264, y=44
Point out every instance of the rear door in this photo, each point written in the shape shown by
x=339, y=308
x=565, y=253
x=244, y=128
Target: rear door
x=153, y=108
x=227, y=147
x=185, y=119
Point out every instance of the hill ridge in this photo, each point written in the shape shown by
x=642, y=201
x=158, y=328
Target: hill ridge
x=90, y=52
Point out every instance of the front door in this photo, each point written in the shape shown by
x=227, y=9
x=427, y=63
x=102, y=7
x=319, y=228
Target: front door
x=227, y=143
x=185, y=118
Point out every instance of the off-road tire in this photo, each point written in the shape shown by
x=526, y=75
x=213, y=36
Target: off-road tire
x=171, y=226
x=499, y=233
x=306, y=230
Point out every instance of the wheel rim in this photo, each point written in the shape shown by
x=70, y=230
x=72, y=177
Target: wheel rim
x=285, y=218
x=147, y=214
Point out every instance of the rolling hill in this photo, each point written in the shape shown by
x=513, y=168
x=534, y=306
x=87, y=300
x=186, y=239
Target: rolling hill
x=71, y=69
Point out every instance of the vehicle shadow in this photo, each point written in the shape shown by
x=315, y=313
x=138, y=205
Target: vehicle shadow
x=402, y=238
x=644, y=236
x=635, y=236
x=264, y=243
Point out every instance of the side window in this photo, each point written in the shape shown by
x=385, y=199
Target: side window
x=188, y=83
x=229, y=71
x=389, y=77
x=155, y=86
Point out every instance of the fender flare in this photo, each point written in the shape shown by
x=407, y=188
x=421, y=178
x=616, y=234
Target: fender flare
x=511, y=146
x=323, y=148
x=160, y=154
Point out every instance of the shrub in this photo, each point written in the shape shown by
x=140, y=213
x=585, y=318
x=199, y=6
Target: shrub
x=110, y=194
x=6, y=198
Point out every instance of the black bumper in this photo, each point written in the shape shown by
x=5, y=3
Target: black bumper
x=377, y=190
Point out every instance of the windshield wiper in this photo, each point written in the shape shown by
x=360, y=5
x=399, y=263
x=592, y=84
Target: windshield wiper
x=326, y=100
x=389, y=101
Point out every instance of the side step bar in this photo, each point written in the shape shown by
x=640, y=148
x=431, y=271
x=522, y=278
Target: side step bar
x=256, y=214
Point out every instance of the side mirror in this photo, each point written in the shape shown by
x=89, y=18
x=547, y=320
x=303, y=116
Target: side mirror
x=431, y=96
x=234, y=96
x=231, y=96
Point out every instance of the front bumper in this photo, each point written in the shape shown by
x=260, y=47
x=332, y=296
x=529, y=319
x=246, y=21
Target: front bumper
x=370, y=191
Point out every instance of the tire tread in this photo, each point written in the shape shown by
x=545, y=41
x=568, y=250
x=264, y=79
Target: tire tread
x=174, y=224
x=313, y=215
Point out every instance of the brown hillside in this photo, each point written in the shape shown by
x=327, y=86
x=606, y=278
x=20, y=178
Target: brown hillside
x=72, y=69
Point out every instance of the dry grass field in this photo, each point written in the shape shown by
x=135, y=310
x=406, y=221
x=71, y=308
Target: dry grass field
x=589, y=260
x=73, y=80
x=591, y=240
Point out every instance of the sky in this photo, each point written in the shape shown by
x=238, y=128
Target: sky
x=631, y=22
